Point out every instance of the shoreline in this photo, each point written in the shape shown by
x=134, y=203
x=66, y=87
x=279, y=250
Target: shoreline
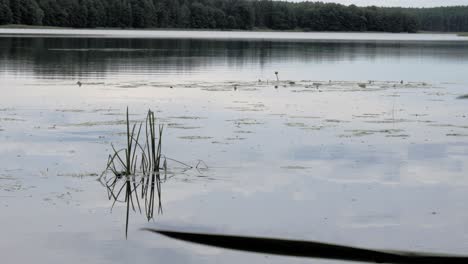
x=219, y=35
x=267, y=30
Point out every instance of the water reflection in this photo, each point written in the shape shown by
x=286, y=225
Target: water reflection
x=71, y=58
x=132, y=190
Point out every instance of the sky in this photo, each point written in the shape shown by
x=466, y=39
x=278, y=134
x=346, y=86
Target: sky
x=405, y=3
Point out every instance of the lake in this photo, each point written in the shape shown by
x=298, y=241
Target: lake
x=358, y=139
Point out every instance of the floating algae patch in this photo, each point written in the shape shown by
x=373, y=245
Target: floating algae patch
x=244, y=109
x=69, y=110
x=9, y=184
x=362, y=132
x=367, y=116
x=257, y=105
x=304, y=117
x=253, y=107
x=448, y=125
x=179, y=126
x=243, y=132
x=335, y=121
x=389, y=121
x=397, y=136
x=12, y=119
x=112, y=114
x=130, y=85
x=296, y=124
x=245, y=121
x=218, y=89
x=78, y=175
x=304, y=91
x=100, y=123
x=235, y=138
x=195, y=137
x=295, y=167
x=279, y=115
x=220, y=143
x=98, y=110
x=250, y=89
x=456, y=135
x=313, y=128
x=187, y=117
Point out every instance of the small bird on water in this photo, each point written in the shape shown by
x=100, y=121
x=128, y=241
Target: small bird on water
x=79, y=83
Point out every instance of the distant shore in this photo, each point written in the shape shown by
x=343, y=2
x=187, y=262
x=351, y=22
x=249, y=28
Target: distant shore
x=226, y=31
x=13, y=26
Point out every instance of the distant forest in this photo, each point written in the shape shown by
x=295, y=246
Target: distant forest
x=230, y=14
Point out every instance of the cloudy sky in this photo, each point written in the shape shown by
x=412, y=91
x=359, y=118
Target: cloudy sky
x=406, y=3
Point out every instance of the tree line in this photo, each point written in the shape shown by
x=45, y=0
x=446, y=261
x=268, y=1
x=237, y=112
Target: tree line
x=230, y=14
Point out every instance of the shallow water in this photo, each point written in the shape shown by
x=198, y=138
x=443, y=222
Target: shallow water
x=379, y=164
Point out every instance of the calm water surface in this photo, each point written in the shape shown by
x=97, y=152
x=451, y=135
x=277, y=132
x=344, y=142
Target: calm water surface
x=340, y=151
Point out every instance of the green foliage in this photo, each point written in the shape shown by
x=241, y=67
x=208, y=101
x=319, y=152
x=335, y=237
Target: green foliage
x=451, y=19
x=6, y=16
x=231, y=14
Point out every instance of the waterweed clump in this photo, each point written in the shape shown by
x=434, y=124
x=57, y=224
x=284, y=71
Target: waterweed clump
x=133, y=174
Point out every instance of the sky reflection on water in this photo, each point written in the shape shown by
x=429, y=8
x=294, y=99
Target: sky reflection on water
x=382, y=166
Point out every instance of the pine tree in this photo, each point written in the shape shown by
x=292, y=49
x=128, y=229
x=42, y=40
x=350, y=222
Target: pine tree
x=6, y=17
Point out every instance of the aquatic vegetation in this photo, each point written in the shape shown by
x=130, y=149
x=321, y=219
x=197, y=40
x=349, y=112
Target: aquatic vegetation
x=78, y=175
x=136, y=169
x=336, y=121
x=11, y=119
x=195, y=137
x=180, y=126
x=9, y=183
x=366, y=115
x=187, y=117
x=245, y=121
x=304, y=117
x=70, y=110
x=456, y=135
x=235, y=138
x=243, y=132
x=291, y=124
x=295, y=167
x=363, y=132
x=100, y=123
x=134, y=174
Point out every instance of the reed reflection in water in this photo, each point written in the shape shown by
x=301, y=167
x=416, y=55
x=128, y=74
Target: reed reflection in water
x=133, y=174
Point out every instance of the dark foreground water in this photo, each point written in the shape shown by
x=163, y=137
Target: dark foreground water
x=339, y=150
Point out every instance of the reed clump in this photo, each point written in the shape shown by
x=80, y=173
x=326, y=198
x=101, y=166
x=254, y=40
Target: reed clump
x=133, y=173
